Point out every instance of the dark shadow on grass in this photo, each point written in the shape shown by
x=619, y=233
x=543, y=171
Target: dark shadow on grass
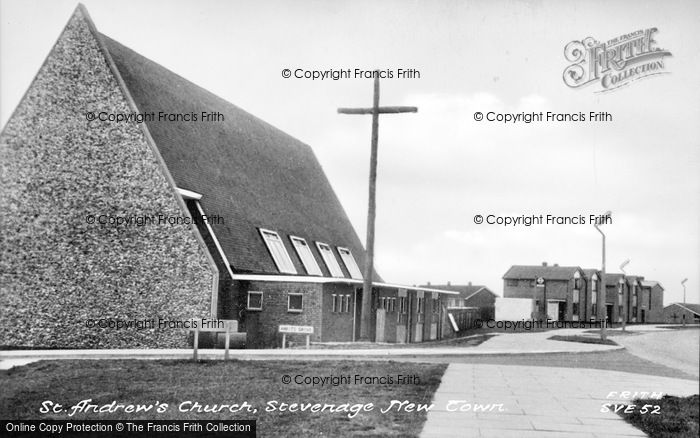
x=173, y=382
x=677, y=417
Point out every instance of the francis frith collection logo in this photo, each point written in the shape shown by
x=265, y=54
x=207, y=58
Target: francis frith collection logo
x=614, y=63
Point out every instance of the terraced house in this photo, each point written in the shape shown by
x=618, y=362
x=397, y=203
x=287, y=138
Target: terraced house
x=571, y=293
x=280, y=252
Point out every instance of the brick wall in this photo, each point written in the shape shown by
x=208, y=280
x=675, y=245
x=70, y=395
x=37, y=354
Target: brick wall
x=674, y=314
x=656, y=310
x=262, y=326
x=486, y=303
x=56, y=168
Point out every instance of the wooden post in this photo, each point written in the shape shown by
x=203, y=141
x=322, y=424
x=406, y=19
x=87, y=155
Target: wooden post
x=284, y=340
x=371, y=210
x=228, y=339
x=196, y=343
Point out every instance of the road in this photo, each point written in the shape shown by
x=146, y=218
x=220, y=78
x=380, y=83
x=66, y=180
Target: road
x=679, y=349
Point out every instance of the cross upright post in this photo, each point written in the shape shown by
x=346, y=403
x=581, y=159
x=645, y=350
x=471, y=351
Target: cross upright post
x=371, y=210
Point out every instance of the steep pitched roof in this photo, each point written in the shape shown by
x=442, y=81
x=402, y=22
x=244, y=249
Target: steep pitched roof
x=249, y=172
x=612, y=278
x=694, y=308
x=651, y=283
x=632, y=278
x=591, y=272
x=465, y=291
x=547, y=272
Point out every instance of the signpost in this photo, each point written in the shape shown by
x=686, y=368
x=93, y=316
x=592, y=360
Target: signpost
x=540, y=283
x=296, y=330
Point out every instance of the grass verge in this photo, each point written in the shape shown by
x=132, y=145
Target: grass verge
x=214, y=383
x=582, y=339
x=678, y=417
x=463, y=341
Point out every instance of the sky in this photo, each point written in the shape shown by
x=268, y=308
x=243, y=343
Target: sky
x=440, y=167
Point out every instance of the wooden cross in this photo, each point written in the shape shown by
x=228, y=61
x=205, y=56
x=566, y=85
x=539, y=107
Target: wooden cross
x=371, y=211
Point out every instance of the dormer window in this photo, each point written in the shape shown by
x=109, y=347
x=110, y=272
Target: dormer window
x=278, y=251
x=306, y=256
x=330, y=260
x=350, y=263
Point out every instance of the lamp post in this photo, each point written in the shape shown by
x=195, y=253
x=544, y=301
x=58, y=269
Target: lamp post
x=603, y=290
x=624, y=298
x=683, y=284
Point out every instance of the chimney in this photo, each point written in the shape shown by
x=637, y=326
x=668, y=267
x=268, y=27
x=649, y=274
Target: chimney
x=428, y=283
x=544, y=263
x=449, y=284
x=556, y=265
x=470, y=283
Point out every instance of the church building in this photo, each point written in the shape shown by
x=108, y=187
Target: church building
x=131, y=194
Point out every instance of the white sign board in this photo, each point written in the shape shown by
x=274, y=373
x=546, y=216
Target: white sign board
x=453, y=322
x=302, y=329
x=513, y=309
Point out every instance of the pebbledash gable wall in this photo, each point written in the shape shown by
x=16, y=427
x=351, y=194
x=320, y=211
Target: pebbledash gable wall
x=56, y=270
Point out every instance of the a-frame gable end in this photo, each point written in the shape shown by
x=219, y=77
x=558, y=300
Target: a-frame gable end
x=61, y=174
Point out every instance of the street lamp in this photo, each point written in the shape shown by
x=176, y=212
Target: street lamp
x=602, y=292
x=624, y=298
x=683, y=284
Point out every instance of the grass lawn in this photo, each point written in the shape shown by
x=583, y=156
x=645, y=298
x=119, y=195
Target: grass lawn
x=463, y=341
x=582, y=339
x=678, y=417
x=67, y=382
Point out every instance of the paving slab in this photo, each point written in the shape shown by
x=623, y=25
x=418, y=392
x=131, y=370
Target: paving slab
x=539, y=401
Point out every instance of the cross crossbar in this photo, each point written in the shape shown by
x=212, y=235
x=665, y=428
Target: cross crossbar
x=380, y=110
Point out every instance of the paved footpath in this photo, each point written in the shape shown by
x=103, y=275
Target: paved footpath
x=511, y=343
x=539, y=401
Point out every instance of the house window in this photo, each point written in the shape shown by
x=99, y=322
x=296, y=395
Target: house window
x=393, y=304
x=255, y=300
x=350, y=263
x=307, y=258
x=295, y=303
x=421, y=310
x=513, y=283
x=278, y=251
x=402, y=305
x=594, y=285
x=577, y=281
x=329, y=259
x=619, y=295
x=341, y=303
x=575, y=304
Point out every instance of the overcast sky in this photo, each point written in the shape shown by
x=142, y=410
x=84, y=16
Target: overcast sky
x=439, y=168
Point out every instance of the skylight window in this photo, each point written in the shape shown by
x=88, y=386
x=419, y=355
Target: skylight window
x=278, y=251
x=350, y=263
x=306, y=256
x=330, y=260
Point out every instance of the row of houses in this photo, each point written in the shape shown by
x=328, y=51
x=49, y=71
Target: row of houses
x=571, y=293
